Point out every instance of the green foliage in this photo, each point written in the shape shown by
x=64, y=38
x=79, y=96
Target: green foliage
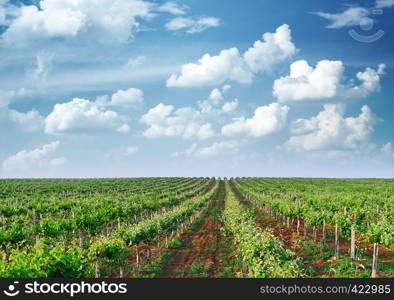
x=45, y=261
x=366, y=204
x=63, y=214
x=261, y=251
x=109, y=251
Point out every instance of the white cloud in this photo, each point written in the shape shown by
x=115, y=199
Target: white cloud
x=192, y=25
x=208, y=105
x=301, y=126
x=384, y=3
x=48, y=23
x=131, y=98
x=213, y=70
x=131, y=150
x=29, y=121
x=158, y=114
x=231, y=106
x=304, y=82
x=29, y=159
x=274, y=47
x=185, y=122
x=352, y=16
x=188, y=122
x=205, y=131
x=108, y=20
x=80, y=116
x=267, y=119
x=230, y=65
x=127, y=98
x=173, y=8
x=216, y=96
x=370, y=79
x=387, y=149
x=329, y=130
x=215, y=149
x=324, y=82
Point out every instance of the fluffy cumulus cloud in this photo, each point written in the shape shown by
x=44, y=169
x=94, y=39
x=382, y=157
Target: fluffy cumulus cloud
x=266, y=119
x=189, y=122
x=230, y=106
x=304, y=82
x=325, y=81
x=192, y=25
x=127, y=98
x=82, y=116
x=353, y=16
x=370, y=82
x=216, y=148
x=331, y=131
x=213, y=70
x=387, y=149
x=112, y=20
x=26, y=160
x=186, y=122
x=231, y=65
x=274, y=47
x=215, y=98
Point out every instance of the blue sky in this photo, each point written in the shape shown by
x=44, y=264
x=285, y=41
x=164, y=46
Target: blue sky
x=125, y=88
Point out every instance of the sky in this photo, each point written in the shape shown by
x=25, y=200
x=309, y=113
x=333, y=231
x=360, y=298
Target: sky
x=235, y=88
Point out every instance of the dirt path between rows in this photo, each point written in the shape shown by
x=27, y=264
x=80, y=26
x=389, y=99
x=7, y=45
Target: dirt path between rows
x=203, y=246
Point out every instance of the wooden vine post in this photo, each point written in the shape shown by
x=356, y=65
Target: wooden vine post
x=245, y=268
x=97, y=270
x=375, y=260
x=37, y=240
x=158, y=246
x=353, y=244
x=137, y=257
x=324, y=233
x=336, y=242
x=81, y=238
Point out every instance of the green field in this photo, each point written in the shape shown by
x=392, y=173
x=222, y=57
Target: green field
x=197, y=227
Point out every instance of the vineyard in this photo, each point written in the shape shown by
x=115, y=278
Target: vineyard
x=197, y=227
